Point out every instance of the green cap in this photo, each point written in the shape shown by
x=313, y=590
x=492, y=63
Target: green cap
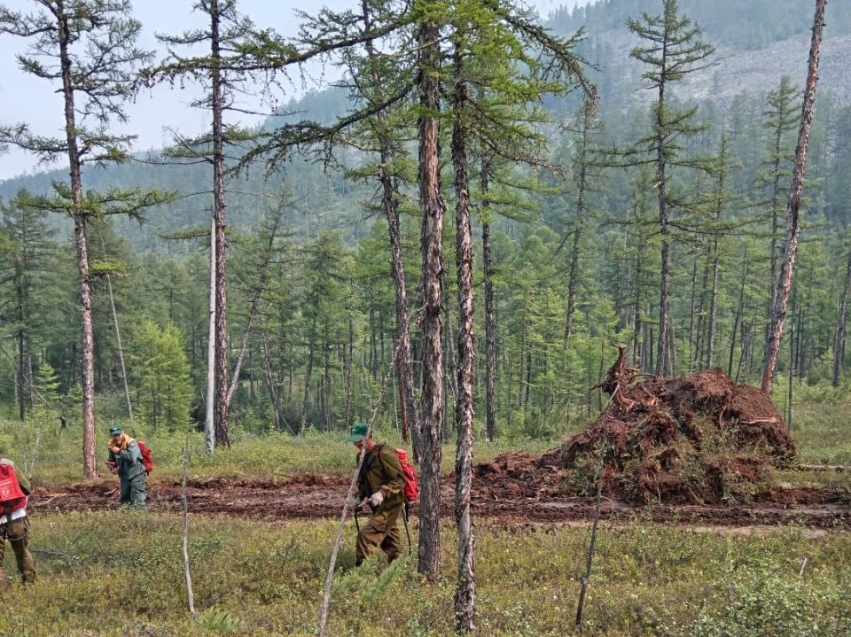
x=115, y=431
x=358, y=432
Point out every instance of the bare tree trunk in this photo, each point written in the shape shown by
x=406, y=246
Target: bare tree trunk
x=210, y=410
x=80, y=241
x=465, y=592
x=778, y=313
x=120, y=348
x=432, y=247
x=589, y=559
x=20, y=393
x=841, y=318
x=269, y=377
x=222, y=426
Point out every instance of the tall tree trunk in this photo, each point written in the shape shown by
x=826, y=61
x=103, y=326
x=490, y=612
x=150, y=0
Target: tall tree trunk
x=588, y=113
x=841, y=318
x=80, y=241
x=778, y=313
x=210, y=403
x=664, y=270
x=490, y=318
x=465, y=592
x=217, y=99
x=404, y=364
x=432, y=247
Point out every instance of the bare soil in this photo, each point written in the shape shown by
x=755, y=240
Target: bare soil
x=507, y=498
x=698, y=451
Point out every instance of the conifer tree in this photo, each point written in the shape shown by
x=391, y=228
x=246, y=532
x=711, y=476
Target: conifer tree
x=672, y=49
x=781, y=117
x=87, y=48
x=24, y=274
x=224, y=72
x=793, y=229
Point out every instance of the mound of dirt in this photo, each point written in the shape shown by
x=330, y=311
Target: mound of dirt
x=694, y=440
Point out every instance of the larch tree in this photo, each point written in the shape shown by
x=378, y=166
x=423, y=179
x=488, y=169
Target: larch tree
x=780, y=119
x=429, y=20
x=380, y=77
x=496, y=79
x=87, y=49
x=672, y=49
x=793, y=229
x=225, y=71
x=24, y=274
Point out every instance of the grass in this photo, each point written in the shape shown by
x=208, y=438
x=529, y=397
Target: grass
x=120, y=572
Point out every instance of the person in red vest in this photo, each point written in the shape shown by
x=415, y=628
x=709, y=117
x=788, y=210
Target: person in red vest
x=14, y=523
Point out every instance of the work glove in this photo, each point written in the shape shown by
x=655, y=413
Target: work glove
x=376, y=499
x=353, y=502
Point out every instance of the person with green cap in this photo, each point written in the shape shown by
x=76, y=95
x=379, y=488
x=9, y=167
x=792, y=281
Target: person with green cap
x=380, y=486
x=125, y=459
x=14, y=523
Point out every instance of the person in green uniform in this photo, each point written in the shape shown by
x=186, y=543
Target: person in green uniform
x=14, y=523
x=125, y=459
x=381, y=486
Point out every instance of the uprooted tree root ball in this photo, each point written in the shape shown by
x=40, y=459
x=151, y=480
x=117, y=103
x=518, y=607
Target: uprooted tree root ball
x=694, y=440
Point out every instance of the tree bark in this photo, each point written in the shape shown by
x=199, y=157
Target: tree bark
x=80, y=241
x=429, y=555
x=404, y=365
x=210, y=404
x=781, y=300
x=465, y=592
x=490, y=323
x=217, y=98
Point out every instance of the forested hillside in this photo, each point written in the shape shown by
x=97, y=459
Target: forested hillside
x=569, y=227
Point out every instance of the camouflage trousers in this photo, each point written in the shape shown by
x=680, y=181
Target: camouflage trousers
x=381, y=532
x=17, y=533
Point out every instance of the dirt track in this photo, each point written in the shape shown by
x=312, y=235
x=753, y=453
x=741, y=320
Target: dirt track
x=316, y=496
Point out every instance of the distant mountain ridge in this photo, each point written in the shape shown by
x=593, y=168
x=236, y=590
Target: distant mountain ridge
x=751, y=54
x=738, y=67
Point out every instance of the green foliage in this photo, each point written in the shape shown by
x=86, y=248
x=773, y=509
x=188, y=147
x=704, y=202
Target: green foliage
x=255, y=577
x=160, y=371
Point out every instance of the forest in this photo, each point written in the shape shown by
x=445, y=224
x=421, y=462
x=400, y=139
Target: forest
x=574, y=263
x=488, y=226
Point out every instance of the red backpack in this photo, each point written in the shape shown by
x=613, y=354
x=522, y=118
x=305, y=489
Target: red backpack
x=412, y=487
x=147, y=458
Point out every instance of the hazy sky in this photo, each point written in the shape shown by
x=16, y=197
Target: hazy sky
x=24, y=98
